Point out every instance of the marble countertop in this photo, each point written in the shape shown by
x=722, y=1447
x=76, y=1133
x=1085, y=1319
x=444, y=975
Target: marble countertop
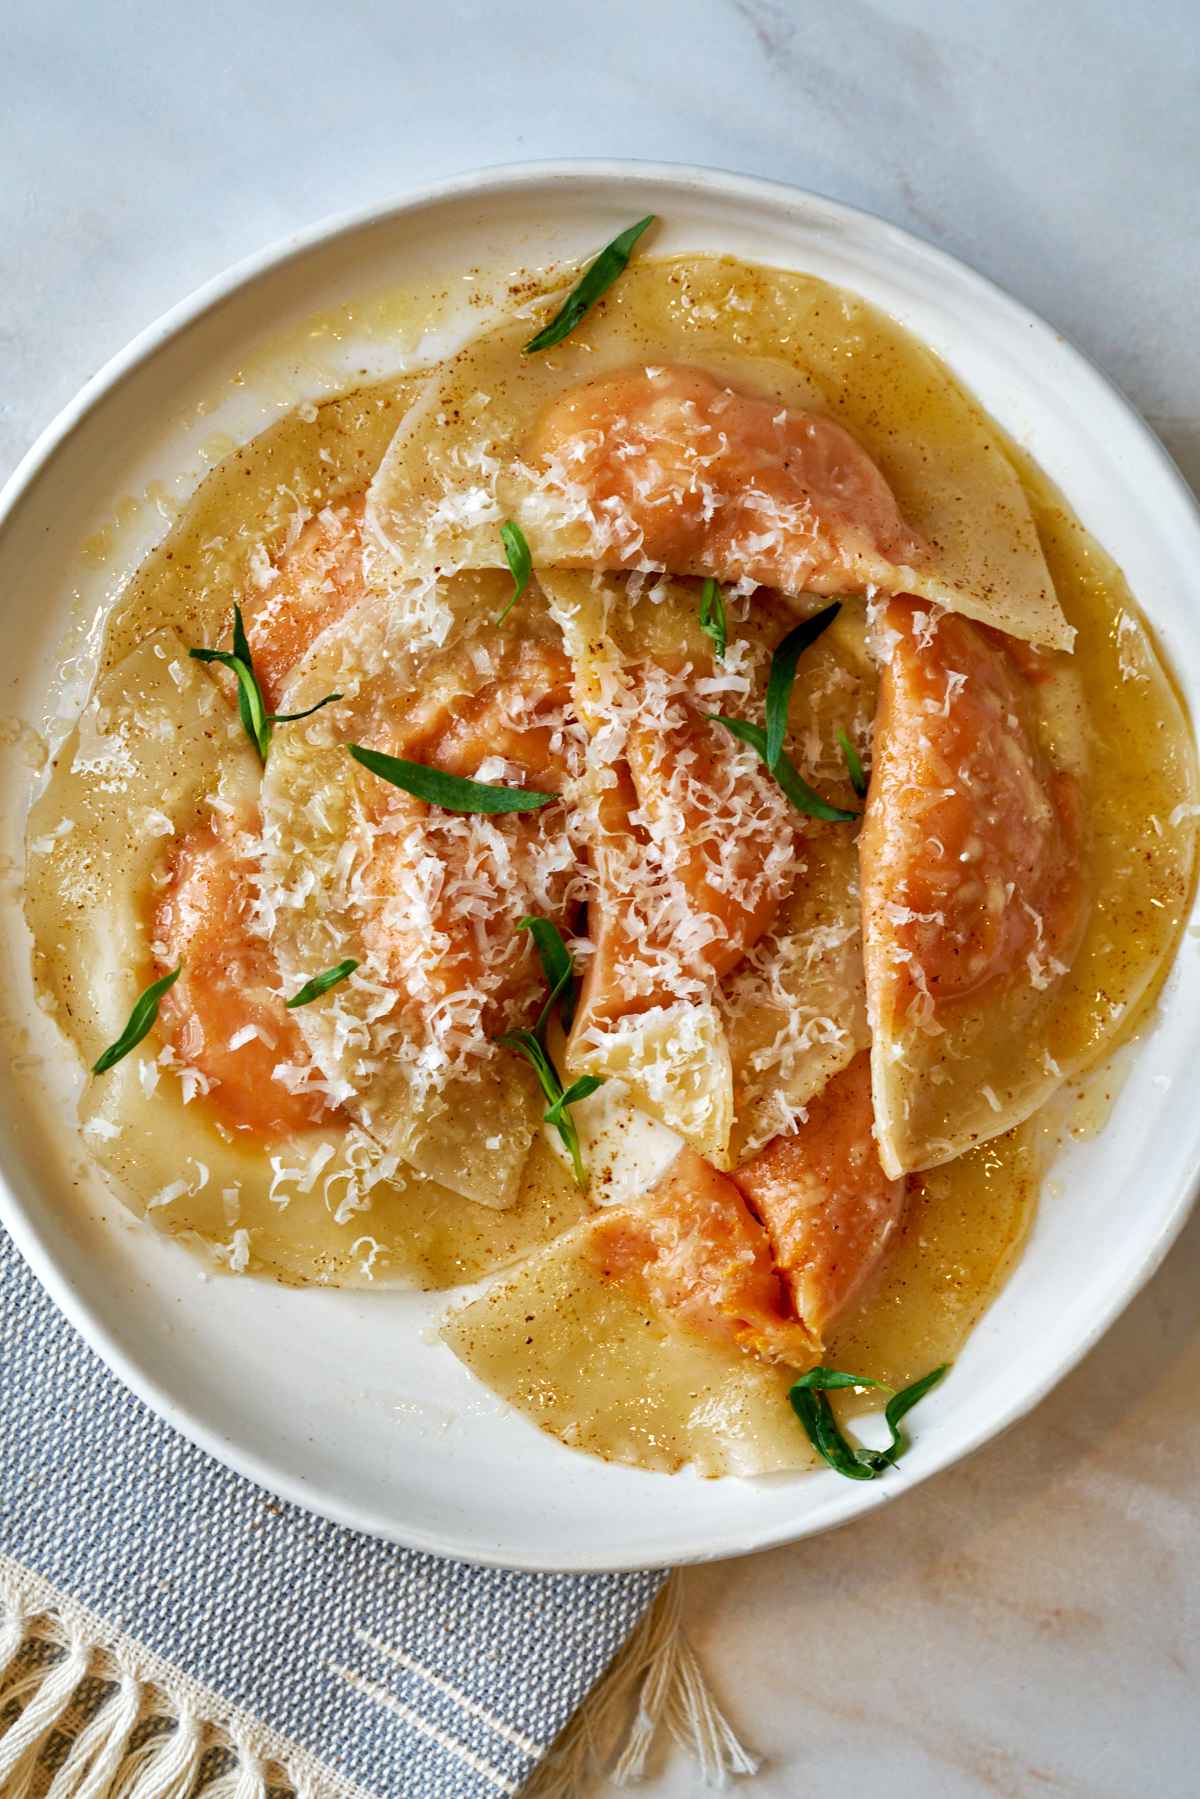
x=1028, y=1622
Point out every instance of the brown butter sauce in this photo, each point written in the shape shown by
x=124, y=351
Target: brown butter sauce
x=965, y=1223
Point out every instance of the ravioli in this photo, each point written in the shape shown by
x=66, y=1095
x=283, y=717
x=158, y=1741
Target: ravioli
x=584, y=1352
x=691, y=843
x=156, y=749
x=662, y=1331
x=973, y=896
x=223, y=1015
x=159, y=754
x=426, y=902
x=795, y=1010
x=325, y=1206
x=725, y=941
x=927, y=506
x=825, y=1201
x=986, y=944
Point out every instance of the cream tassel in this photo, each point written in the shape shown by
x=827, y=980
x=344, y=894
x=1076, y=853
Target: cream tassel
x=51, y=1693
x=170, y=1771
x=247, y=1781
x=251, y=1776
x=131, y=1737
x=99, y=1749
x=658, y=1672
x=655, y=1684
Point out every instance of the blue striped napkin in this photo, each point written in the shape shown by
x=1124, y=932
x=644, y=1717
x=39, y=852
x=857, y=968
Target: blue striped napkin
x=162, y=1619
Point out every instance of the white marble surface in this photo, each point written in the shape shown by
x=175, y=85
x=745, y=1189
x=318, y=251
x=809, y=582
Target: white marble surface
x=1028, y=1623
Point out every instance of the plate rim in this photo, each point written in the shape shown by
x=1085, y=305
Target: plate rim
x=31, y=1242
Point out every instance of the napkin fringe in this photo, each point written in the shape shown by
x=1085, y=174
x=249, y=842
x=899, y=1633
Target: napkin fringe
x=655, y=1687
x=82, y=1717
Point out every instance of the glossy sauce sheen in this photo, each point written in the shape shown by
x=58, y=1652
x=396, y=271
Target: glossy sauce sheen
x=965, y=1222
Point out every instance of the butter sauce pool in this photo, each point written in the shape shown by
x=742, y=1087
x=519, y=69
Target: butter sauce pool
x=966, y=1222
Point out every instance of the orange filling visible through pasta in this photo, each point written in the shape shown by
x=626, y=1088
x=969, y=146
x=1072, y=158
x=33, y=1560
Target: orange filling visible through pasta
x=969, y=849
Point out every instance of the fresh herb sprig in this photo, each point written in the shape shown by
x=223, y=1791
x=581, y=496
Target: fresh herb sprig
x=453, y=793
x=713, y=620
x=257, y=722
x=596, y=280
x=141, y=1020
x=809, y=1402
x=769, y=741
x=854, y=767
x=782, y=676
x=805, y=798
x=560, y=978
x=556, y=962
x=520, y=563
x=321, y=983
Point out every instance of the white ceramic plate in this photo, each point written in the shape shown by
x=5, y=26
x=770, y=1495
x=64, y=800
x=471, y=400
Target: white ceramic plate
x=345, y=1402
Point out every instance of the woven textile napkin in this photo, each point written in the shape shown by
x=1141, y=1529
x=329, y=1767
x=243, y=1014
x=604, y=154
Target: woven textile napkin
x=196, y=1626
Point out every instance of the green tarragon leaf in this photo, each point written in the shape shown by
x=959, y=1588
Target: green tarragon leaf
x=564, y=1124
x=530, y=1046
x=713, y=620
x=783, y=675
x=321, y=983
x=289, y=718
x=854, y=767
x=451, y=792
x=803, y=797
x=520, y=564
x=815, y=1413
x=560, y=978
x=596, y=280
x=580, y=1089
x=257, y=722
x=556, y=964
x=251, y=710
x=831, y=1380
x=141, y=1020
x=903, y=1402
